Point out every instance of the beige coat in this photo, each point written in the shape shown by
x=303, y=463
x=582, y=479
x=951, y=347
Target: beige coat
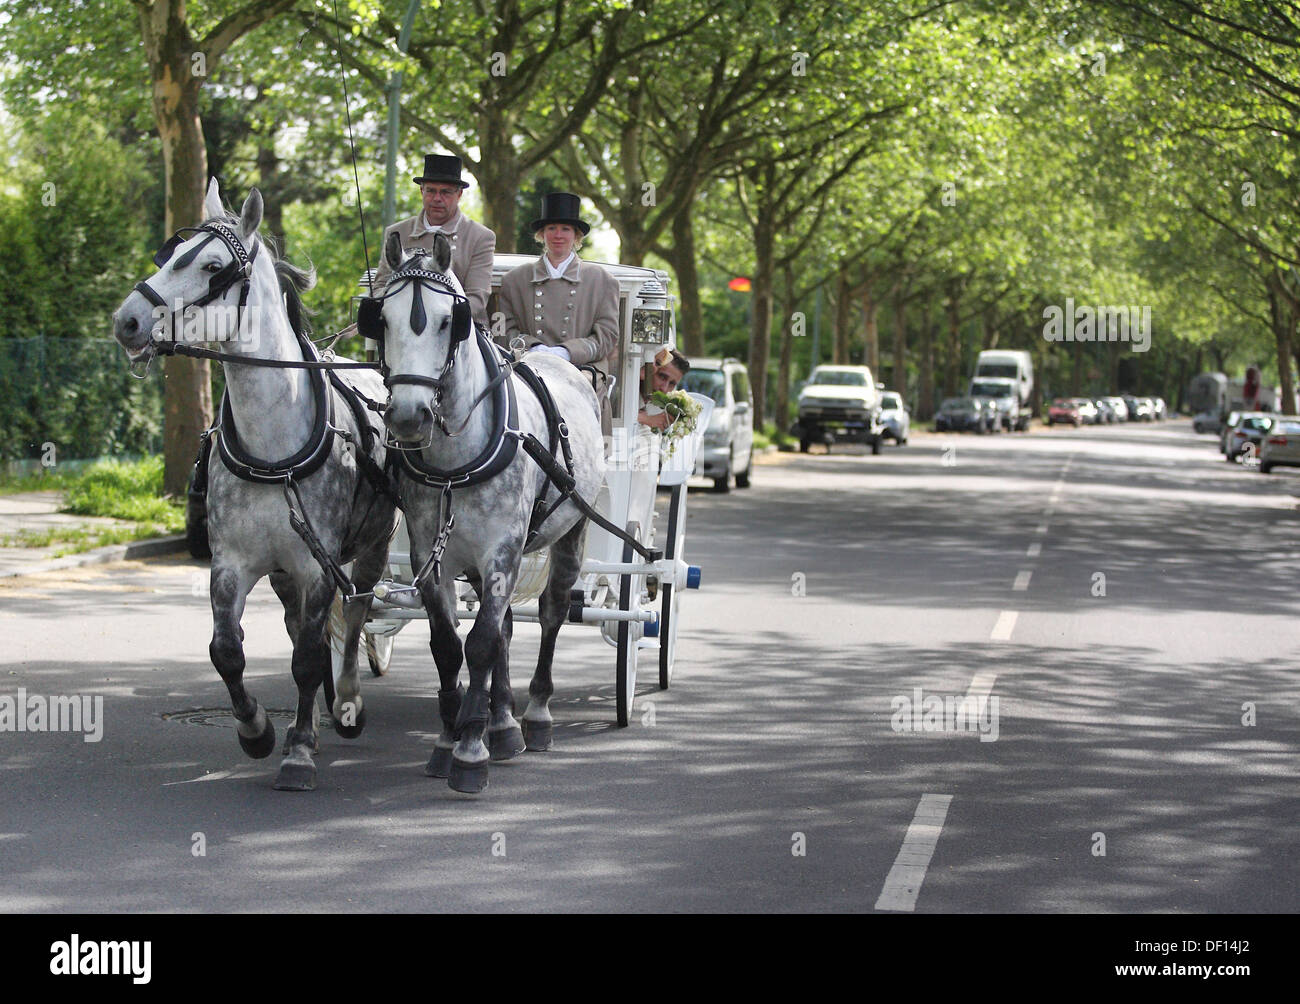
x=579, y=310
x=472, y=247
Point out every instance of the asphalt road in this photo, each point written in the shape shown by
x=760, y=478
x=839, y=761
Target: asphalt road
x=1140, y=755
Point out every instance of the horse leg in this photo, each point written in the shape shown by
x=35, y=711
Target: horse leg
x=347, y=709
x=444, y=643
x=311, y=661
x=553, y=609
x=287, y=590
x=505, y=737
x=483, y=647
x=228, y=590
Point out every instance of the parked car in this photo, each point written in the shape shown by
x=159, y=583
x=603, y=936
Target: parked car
x=1005, y=403
x=1087, y=411
x=1281, y=447
x=1118, y=406
x=839, y=403
x=1105, y=413
x=1161, y=409
x=1141, y=409
x=1233, y=418
x=1207, y=421
x=1064, y=411
x=727, y=451
x=960, y=413
x=894, y=416
x=1248, y=431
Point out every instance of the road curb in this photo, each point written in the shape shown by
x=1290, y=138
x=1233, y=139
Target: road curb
x=152, y=547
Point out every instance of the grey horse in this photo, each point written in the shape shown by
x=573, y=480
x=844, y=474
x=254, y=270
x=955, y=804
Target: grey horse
x=450, y=415
x=272, y=412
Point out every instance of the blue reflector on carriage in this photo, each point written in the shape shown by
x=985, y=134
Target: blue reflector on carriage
x=692, y=576
x=651, y=629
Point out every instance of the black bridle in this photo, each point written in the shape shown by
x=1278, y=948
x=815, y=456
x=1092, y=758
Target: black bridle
x=371, y=324
x=239, y=270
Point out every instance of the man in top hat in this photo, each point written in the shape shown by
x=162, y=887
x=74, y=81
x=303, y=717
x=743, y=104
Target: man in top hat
x=558, y=304
x=472, y=244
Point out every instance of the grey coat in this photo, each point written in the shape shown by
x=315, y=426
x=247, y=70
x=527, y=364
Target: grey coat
x=472, y=248
x=579, y=310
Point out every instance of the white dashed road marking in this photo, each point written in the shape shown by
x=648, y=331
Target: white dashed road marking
x=1022, y=580
x=1005, y=625
x=1034, y=550
x=903, y=884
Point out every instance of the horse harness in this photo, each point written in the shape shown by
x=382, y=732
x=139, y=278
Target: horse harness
x=506, y=437
x=289, y=471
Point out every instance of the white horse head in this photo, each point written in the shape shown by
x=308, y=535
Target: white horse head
x=421, y=332
x=195, y=294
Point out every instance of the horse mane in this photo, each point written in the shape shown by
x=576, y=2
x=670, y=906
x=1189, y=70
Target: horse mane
x=292, y=279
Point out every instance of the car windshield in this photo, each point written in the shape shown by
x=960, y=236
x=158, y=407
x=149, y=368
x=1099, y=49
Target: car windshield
x=842, y=378
x=957, y=403
x=1257, y=423
x=998, y=370
x=707, y=382
x=990, y=389
x=1062, y=403
x=891, y=401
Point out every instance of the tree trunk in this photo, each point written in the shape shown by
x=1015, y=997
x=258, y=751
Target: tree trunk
x=268, y=179
x=187, y=397
x=899, y=376
x=925, y=381
x=782, y=413
x=499, y=178
x=761, y=322
x=843, y=306
x=1282, y=311
x=952, y=374
x=681, y=257
x=871, y=352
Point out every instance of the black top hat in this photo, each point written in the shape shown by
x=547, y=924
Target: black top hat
x=441, y=167
x=561, y=207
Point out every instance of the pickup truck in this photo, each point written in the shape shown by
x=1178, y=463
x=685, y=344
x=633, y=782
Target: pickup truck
x=839, y=404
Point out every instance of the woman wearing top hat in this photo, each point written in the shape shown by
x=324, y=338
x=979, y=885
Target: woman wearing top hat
x=472, y=244
x=559, y=303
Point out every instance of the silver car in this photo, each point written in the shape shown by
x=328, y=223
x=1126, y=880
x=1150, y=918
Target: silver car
x=728, y=448
x=1281, y=447
x=894, y=416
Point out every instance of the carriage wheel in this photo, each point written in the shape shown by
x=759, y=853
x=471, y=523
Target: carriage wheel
x=668, y=612
x=629, y=634
x=379, y=651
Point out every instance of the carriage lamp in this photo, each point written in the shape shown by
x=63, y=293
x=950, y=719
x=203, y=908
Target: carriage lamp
x=650, y=326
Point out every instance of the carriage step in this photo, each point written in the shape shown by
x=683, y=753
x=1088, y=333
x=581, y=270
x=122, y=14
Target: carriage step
x=693, y=577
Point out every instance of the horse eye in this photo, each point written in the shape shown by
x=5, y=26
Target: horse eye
x=212, y=266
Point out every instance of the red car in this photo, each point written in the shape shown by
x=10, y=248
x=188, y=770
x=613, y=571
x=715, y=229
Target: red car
x=1064, y=410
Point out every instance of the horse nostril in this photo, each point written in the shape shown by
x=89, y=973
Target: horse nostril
x=128, y=325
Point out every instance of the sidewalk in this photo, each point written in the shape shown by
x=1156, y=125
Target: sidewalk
x=38, y=511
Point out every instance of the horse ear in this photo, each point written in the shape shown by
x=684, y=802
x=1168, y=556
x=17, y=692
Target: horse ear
x=393, y=251
x=441, y=252
x=212, y=207
x=250, y=217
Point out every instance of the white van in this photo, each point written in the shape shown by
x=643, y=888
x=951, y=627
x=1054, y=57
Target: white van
x=1006, y=364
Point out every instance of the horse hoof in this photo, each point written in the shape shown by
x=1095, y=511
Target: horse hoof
x=439, y=764
x=296, y=777
x=354, y=730
x=260, y=746
x=537, y=735
x=470, y=778
x=506, y=744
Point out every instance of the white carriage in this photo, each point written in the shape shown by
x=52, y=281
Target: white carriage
x=635, y=602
